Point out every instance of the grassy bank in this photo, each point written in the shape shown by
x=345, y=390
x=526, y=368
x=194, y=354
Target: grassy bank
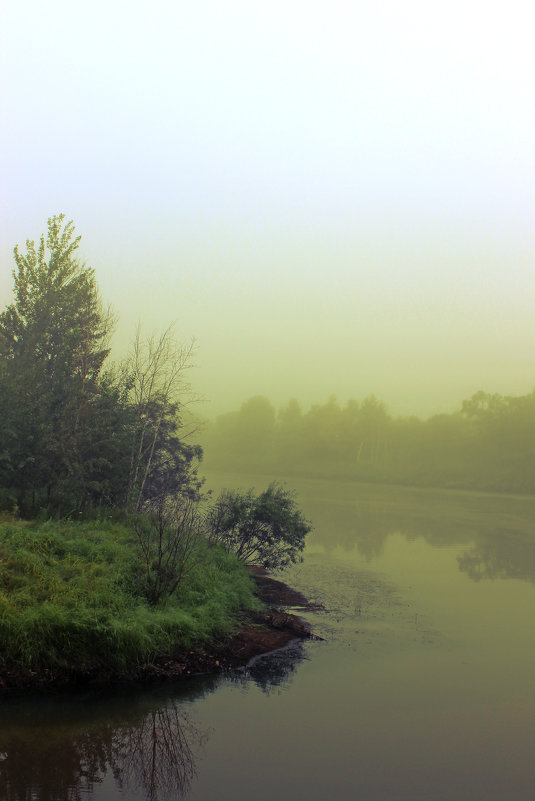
x=72, y=600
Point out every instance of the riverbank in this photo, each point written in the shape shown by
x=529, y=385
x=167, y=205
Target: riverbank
x=76, y=602
x=258, y=632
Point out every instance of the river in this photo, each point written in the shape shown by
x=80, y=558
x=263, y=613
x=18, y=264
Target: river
x=420, y=688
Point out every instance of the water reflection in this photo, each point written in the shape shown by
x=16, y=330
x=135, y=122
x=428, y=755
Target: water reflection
x=500, y=554
x=499, y=530
x=62, y=749
x=146, y=743
x=157, y=755
x=275, y=671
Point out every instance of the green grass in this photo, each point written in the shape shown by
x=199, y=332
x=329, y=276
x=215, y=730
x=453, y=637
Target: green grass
x=72, y=599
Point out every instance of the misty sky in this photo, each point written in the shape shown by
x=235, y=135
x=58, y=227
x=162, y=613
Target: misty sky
x=330, y=197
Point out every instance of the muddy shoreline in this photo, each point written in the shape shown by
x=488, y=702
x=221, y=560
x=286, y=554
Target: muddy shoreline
x=259, y=633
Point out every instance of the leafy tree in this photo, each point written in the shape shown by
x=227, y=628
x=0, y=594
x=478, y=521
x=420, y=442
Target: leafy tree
x=73, y=434
x=53, y=343
x=266, y=529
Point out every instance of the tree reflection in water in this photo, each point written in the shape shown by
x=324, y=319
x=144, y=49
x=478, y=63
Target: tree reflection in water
x=158, y=755
x=500, y=554
x=63, y=752
x=64, y=748
x=497, y=531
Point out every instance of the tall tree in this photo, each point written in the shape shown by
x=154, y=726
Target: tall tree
x=53, y=343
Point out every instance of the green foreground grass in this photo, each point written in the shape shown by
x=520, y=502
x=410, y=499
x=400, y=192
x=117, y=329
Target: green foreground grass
x=72, y=599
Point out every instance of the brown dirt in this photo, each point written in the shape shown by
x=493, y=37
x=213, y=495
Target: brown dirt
x=260, y=633
x=272, y=591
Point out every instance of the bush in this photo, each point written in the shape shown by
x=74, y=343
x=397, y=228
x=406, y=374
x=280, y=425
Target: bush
x=168, y=536
x=267, y=529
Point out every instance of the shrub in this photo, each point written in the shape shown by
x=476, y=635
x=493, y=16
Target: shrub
x=168, y=536
x=267, y=529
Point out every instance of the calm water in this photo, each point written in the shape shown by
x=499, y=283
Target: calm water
x=422, y=687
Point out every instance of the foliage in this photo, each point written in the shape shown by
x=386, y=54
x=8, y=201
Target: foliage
x=72, y=598
x=266, y=529
x=169, y=537
x=75, y=435
x=53, y=343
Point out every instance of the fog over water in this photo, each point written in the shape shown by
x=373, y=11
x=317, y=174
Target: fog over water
x=330, y=198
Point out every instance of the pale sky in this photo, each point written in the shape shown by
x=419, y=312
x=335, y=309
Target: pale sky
x=329, y=197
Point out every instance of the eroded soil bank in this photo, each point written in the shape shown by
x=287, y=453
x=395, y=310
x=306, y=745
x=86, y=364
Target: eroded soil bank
x=259, y=633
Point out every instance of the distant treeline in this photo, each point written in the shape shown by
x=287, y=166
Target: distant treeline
x=488, y=444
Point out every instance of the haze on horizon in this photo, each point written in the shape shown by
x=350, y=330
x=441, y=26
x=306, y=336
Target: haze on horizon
x=330, y=198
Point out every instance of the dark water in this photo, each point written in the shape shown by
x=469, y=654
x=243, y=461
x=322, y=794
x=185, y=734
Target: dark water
x=422, y=687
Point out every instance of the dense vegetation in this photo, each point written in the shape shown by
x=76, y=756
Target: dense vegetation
x=266, y=529
x=488, y=444
x=73, y=599
x=83, y=443
x=75, y=432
